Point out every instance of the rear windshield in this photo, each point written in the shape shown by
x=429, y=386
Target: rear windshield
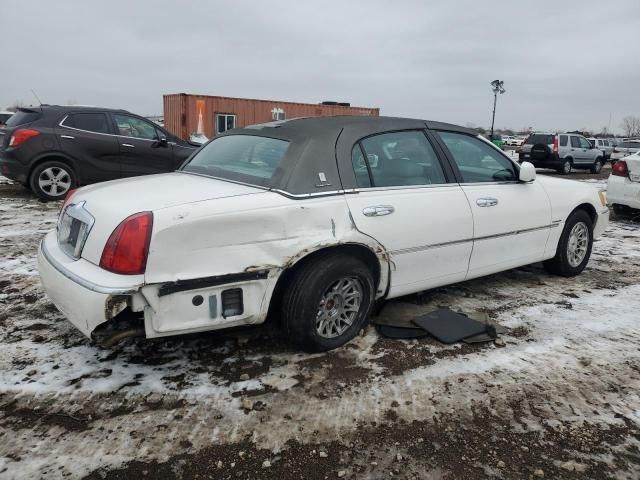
x=21, y=117
x=245, y=158
x=543, y=138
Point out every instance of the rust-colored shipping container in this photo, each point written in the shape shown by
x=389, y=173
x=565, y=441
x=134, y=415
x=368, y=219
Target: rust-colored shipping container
x=186, y=114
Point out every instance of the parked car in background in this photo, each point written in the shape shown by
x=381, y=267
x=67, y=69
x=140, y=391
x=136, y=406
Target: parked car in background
x=497, y=140
x=603, y=145
x=4, y=117
x=259, y=220
x=53, y=149
x=623, y=190
x=624, y=148
x=562, y=152
x=198, y=138
x=507, y=139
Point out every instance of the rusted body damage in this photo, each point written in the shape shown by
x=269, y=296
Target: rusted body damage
x=205, y=248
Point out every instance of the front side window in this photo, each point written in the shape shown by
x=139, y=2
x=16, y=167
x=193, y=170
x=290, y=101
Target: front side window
x=247, y=158
x=575, y=142
x=584, y=143
x=224, y=122
x=90, y=122
x=397, y=159
x=477, y=160
x=135, y=127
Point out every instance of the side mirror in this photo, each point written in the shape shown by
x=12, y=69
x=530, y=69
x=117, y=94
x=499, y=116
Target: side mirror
x=160, y=142
x=527, y=172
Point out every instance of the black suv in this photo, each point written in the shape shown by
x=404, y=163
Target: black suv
x=52, y=149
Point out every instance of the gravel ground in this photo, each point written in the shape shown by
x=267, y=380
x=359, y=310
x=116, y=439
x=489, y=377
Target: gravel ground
x=558, y=399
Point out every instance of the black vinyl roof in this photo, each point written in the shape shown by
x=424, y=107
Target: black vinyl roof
x=319, y=145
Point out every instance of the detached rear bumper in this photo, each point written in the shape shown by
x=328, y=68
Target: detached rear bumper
x=85, y=293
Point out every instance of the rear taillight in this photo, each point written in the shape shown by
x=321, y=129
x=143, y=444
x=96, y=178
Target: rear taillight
x=619, y=169
x=555, y=144
x=22, y=135
x=128, y=246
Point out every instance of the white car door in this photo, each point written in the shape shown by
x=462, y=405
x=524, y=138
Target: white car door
x=404, y=201
x=511, y=220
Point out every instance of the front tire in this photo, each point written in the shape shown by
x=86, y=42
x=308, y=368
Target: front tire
x=574, y=247
x=52, y=180
x=327, y=302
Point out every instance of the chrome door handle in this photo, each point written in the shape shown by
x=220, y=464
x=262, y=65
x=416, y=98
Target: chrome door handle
x=378, y=210
x=487, y=202
x=67, y=137
x=127, y=145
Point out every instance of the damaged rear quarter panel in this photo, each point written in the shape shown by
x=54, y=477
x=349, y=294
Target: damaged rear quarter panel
x=265, y=231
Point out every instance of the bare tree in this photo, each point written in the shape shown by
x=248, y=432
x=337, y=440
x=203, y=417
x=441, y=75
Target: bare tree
x=15, y=105
x=631, y=126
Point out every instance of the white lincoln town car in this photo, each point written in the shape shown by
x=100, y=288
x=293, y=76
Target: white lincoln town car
x=311, y=221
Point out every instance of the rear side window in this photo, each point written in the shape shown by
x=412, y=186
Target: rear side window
x=397, y=159
x=247, y=158
x=563, y=140
x=575, y=142
x=91, y=122
x=22, y=117
x=629, y=144
x=543, y=138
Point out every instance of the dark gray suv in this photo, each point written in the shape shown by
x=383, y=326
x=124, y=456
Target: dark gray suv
x=52, y=149
x=562, y=152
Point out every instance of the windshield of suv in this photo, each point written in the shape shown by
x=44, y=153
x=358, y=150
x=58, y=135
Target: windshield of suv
x=245, y=158
x=543, y=138
x=21, y=117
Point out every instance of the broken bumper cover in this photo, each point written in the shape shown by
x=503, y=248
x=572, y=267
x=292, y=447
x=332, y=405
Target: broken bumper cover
x=85, y=293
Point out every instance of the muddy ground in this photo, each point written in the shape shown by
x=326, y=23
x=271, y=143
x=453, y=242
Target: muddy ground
x=559, y=399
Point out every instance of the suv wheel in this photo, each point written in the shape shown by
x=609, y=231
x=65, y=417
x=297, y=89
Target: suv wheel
x=566, y=167
x=327, y=302
x=574, y=247
x=52, y=180
x=597, y=166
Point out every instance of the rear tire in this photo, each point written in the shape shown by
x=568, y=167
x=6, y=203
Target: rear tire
x=327, y=302
x=597, y=166
x=52, y=180
x=566, y=167
x=574, y=247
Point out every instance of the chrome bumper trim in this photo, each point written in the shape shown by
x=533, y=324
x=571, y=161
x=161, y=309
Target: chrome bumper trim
x=81, y=281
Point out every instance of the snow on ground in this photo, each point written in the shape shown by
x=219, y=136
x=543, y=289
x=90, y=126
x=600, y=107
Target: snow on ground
x=562, y=395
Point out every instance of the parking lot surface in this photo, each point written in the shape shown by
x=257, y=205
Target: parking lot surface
x=559, y=399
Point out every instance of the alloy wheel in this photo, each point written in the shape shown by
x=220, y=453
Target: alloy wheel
x=54, y=181
x=578, y=244
x=339, y=307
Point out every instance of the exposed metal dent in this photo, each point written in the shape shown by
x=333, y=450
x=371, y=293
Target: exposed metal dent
x=214, y=281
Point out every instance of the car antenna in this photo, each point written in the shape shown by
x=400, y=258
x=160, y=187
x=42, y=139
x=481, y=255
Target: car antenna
x=37, y=98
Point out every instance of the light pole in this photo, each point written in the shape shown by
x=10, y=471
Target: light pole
x=498, y=87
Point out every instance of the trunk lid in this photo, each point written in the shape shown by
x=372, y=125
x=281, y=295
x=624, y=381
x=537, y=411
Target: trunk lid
x=105, y=205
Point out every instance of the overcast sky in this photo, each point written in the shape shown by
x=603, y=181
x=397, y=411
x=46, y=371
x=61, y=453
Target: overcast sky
x=565, y=64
